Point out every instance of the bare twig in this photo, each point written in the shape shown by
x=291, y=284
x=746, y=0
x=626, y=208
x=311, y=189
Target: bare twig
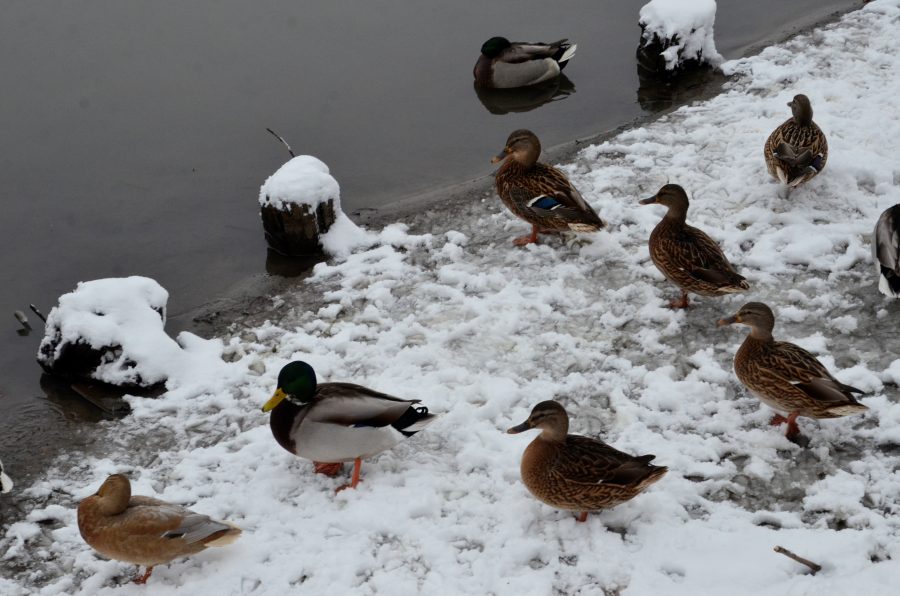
x=285, y=143
x=801, y=560
x=35, y=310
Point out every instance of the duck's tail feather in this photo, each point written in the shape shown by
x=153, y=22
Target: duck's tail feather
x=226, y=537
x=413, y=420
x=568, y=51
x=889, y=283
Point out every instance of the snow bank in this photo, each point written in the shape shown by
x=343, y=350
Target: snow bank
x=685, y=24
x=481, y=331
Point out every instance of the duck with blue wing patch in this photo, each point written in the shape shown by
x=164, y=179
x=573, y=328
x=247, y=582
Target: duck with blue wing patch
x=538, y=193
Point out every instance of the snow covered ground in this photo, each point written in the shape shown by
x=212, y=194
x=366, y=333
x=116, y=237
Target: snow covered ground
x=482, y=331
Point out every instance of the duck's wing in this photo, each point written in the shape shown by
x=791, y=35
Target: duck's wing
x=151, y=517
x=549, y=194
x=793, y=364
x=518, y=53
x=592, y=461
x=702, y=258
x=348, y=404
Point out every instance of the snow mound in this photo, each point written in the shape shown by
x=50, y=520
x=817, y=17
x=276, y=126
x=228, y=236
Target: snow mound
x=687, y=25
x=304, y=180
x=121, y=320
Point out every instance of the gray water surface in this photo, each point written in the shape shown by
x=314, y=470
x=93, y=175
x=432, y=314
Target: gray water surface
x=134, y=135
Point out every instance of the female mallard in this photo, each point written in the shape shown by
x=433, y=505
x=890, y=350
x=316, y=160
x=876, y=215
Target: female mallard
x=687, y=256
x=146, y=531
x=538, y=193
x=785, y=376
x=6, y=483
x=796, y=151
x=886, y=248
x=504, y=64
x=331, y=423
x=579, y=473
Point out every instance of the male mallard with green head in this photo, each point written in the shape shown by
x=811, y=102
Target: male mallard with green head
x=786, y=377
x=579, y=473
x=796, y=151
x=538, y=193
x=504, y=64
x=331, y=423
x=687, y=256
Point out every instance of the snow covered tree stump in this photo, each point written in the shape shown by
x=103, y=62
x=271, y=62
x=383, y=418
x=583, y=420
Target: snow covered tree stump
x=677, y=36
x=299, y=204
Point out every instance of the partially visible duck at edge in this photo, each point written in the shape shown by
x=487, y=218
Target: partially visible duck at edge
x=886, y=250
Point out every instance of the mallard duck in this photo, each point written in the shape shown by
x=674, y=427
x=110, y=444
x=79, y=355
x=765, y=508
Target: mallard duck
x=687, y=256
x=886, y=248
x=579, y=473
x=538, y=193
x=786, y=377
x=504, y=64
x=146, y=531
x=796, y=151
x=331, y=423
x=6, y=483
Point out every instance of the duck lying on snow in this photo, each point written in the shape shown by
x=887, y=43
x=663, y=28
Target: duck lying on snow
x=687, y=256
x=331, y=423
x=6, y=484
x=579, y=473
x=886, y=248
x=538, y=193
x=786, y=377
x=504, y=64
x=146, y=531
x=796, y=151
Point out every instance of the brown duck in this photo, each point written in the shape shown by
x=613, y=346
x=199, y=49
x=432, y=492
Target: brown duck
x=687, y=256
x=797, y=150
x=146, y=531
x=786, y=377
x=538, y=193
x=579, y=473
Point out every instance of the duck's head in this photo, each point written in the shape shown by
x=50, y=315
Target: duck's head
x=523, y=146
x=755, y=315
x=550, y=417
x=296, y=382
x=492, y=47
x=670, y=195
x=114, y=494
x=801, y=109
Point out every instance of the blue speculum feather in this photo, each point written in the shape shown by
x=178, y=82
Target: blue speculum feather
x=544, y=203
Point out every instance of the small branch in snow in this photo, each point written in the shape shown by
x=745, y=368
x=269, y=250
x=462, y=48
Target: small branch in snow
x=35, y=310
x=285, y=143
x=814, y=567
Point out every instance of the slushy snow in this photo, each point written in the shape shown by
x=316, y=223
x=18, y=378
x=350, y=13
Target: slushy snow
x=689, y=22
x=481, y=331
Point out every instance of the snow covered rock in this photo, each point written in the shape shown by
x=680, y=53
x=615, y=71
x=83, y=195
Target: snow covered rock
x=110, y=330
x=677, y=35
x=301, y=209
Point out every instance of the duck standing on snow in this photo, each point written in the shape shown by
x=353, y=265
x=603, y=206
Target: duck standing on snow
x=331, y=423
x=538, y=193
x=796, y=151
x=6, y=483
x=579, y=473
x=504, y=64
x=687, y=256
x=886, y=249
x=146, y=531
x=786, y=377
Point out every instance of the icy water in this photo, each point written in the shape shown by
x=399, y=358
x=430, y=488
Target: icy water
x=134, y=136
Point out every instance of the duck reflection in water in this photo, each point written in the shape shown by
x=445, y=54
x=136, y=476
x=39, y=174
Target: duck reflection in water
x=524, y=99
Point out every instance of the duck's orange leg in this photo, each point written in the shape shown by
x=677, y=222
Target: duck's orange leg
x=527, y=238
x=582, y=517
x=683, y=303
x=793, y=428
x=142, y=579
x=329, y=469
x=357, y=465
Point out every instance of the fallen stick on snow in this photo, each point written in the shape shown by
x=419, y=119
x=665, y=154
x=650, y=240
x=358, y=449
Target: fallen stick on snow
x=35, y=310
x=801, y=560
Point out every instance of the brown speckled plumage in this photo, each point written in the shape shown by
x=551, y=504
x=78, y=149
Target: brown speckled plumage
x=686, y=255
x=143, y=530
x=786, y=377
x=521, y=180
x=579, y=473
x=796, y=151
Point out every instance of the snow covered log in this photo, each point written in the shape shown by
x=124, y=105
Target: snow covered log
x=677, y=35
x=107, y=330
x=299, y=203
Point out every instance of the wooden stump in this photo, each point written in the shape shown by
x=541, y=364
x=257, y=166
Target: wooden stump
x=295, y=232
x=651, y=61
